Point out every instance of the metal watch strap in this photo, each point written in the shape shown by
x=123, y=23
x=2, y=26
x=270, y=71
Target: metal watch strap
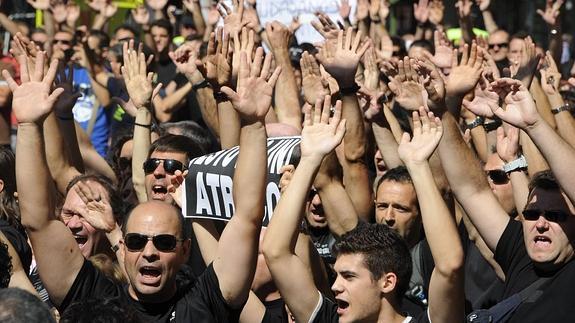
x=518, y=163
x=475, y=123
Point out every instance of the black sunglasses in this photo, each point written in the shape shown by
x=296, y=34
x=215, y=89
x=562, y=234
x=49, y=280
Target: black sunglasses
x=62, y=41
x=162, y=242
x=498, y=176
x=170, y=165
x=550, y=215
x=501, y=45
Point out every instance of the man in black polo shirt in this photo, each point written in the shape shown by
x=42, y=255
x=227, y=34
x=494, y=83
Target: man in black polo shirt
x=540, y=246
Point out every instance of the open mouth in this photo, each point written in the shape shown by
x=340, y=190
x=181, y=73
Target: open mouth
x=542, y=241
x=81, y=240
x=341, y=306
x=150, y=272
x=159, y=190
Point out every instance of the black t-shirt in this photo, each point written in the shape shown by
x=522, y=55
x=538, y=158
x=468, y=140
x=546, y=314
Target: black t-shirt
x=19, y=241
x=275, y=312
x=328, y=313
x=202, y=302
x=556, y=304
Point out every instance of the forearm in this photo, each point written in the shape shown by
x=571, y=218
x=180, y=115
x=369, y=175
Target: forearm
x=57, y=157
x=9, y=25
x=466, y=29
x=543, y=105
x=558, y=153
x=229, y=122
x=340, y=212
x=564, y=119
x=490, y=24
x=99, y=22
x=33, y=178
x=142, y=142
x=167, y=106
x=286, y=94
x=49, y=25
x=100, y=91
x=387, y=145
x=354, y=139
x=520, y=184
x=208, y=109
x=199, y=21
x=535, y=159
x=440, y=229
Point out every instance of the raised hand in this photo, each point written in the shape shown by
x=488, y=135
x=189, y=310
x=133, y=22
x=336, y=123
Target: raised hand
x=138, y=83
x=109, y=10
x=254, y=93
x=527, y=64
x=362, y=10
x=427, y=131
x=484, y=102
x=314, y=86
x=443, y=51
x=520, y=109
x=321, y=134
x=344, y=9
x=508, y=144
x=463, y=8
x=213, y=16
x=465, y=74
x=279, y=35
x=243, y=42
x=189, y=4
x=436, y=10
x=433, y=83
x=287, y=174
x=406, y=88
x=341, y=61
x=96, y=209
x=370, y=69
x=73, y=13
x=233, y=20
x=68, y=98
x=251, y=19
x=550, y=76
x=421, y=11
x=33, y=99
x=175, y=186
x=186, y=60
x=217, y=65
x=21, y=45
x=157, y=4
x=325, y=26
x=551, y=12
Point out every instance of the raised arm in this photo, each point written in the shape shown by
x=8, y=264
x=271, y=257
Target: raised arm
x=320, y=136
x=446, y=298
x=139, y=87
x=235, y=263
x=286, y=95
x=341, y=60
x=57, y=254
x=508, y=151
x=522, y=113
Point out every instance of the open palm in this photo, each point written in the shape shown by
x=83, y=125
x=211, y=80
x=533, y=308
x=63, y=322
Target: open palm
x=320, y=134
x=427, y=131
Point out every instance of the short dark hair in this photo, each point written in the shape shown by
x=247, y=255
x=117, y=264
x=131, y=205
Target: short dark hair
x=384, y=251
x=92, y=310
x=163, y=23
x=423, y=44
x=519, y=35
x=5, y=265
x=176, y=144
x=544, y=180
x=191, y=129
x=118, y=206
x=128, y=28
x=102, y=36
x=397, y=174
x=19, y=306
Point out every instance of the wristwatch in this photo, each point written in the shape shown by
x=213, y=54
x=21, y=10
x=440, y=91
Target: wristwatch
x=562, y=108
x=490, y=126
x=518, y=164
x=475, y=123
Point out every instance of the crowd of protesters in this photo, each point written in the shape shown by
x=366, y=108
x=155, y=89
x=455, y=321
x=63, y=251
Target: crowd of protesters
x=434, y=180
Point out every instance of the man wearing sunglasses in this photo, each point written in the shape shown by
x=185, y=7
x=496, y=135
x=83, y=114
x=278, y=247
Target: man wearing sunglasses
x=500, y=183
x=499, y=48
x=536, y=253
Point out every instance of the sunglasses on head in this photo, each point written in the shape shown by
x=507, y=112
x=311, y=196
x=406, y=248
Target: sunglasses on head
x=549, y=215
x=162, y=242
x=170, y=165
x=501, y=45
x=498, y=176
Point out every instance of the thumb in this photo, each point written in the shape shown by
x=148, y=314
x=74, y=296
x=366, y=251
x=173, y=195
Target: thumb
x=405, y=138
x=230, y=93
